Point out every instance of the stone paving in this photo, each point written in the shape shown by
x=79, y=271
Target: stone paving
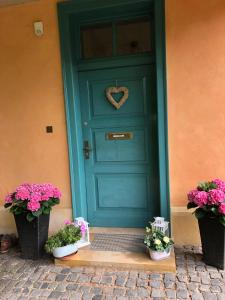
x=24, y=279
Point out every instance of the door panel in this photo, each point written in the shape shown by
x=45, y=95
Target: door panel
x=127, y=188
x=120, y=150
x=96, y=89
x=121, y=175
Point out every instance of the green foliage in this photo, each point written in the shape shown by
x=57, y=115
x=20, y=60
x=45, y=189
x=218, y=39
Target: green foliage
x=18, y=207
x=46, y=210
x=30, y=217
x=157, y=240
x=199, y=213
x=209, y=212
x=214, y=210
x=222, y=220
x=70, y=234
x=52, y=243
x=206, y=186
x=37, y=213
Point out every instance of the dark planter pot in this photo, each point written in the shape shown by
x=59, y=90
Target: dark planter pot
x=213, y=242
x=32, y=235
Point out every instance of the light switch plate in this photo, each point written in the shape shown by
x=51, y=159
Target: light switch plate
x=38, y=28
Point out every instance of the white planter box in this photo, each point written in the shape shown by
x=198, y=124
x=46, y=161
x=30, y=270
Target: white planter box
x=70, y=249
x=65, y=250
x=159, y=255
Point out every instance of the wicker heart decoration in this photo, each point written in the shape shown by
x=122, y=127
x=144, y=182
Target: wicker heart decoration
x=116, y=90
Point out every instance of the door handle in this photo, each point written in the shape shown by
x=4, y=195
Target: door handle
x=86, y=150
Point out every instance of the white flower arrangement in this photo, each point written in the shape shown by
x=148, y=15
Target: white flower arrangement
x=156, y=240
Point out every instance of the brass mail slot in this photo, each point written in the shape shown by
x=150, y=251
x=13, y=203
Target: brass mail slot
x=119, y=136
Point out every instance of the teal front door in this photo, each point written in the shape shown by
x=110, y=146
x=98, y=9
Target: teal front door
x=121, y=177
x=120, y=147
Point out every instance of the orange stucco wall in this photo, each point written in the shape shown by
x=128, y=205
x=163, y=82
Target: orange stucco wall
x=196, y=94
x=31, y=96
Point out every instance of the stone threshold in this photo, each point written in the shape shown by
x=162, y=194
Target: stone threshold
x=86, y=257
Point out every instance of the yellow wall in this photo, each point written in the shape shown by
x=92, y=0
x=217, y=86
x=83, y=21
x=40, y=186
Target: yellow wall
x=31, y=97
x=196, y=94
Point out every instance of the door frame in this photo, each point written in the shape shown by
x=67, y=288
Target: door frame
x=73, y=113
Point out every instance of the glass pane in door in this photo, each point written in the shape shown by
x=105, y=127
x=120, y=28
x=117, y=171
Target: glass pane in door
x=97, y=41
x=133, y=37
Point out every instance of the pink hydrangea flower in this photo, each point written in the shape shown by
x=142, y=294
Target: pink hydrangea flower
x=25, y=185
x=222, y=208
x=220, y=184
x=57, y=193
x=22, y=193
x=83, y=230
x=33, y=205
x=201, y=198
x=37, y=192
x=216, y=196
x=44, y=197
x=35, y=188
x=35, y=197
x=68, y=222
x=191, y=195
x=34, y=194
x=49, y=191
x=8, y=198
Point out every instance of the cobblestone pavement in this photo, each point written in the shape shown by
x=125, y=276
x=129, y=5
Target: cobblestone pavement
x=25, y=279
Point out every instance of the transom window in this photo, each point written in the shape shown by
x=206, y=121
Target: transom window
x=115, y=39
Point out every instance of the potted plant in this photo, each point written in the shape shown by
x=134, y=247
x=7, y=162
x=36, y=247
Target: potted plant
x=64, y=242
x=31, y=205
x=208, y=201
x=158, y=243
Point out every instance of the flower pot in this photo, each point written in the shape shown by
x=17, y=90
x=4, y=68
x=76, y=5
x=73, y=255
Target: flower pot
x=60, y=252
x=159, y=255
x=213, y=242
x=32, y=235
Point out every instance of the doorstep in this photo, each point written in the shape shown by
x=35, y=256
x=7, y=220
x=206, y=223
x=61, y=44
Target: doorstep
x=113, y=259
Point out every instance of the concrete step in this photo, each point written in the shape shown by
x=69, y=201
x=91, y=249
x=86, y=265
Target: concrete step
x=120, y=260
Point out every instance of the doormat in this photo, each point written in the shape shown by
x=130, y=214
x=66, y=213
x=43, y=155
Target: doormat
x=118, y=242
